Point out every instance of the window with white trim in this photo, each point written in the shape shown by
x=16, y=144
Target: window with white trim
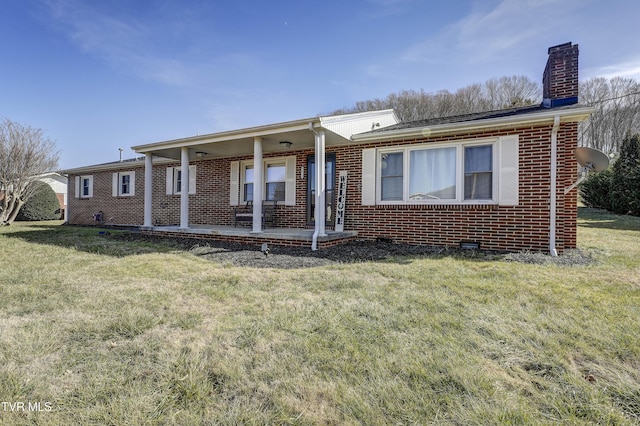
x=175, y=182
x=432, y=174
x=248, y=183
x=275, y=181
x=449, y=173
x=391, y=176
x=84, y=186
x=278, y=180
x=478, y=172
x=124, y=184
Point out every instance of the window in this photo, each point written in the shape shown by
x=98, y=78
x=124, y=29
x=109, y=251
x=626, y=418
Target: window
x=391, y=181
x=432, y=174
x=84, y=186
x=444, y=173
x=275, y=182
x=278, y=180
x=175, y=183
x=248, y=183
x=124, y=184
x=478, y=172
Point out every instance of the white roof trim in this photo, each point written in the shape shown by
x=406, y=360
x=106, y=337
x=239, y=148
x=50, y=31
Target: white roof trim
x=387, y=117
x=127, y=164
x=227, y=136
x=566, y=116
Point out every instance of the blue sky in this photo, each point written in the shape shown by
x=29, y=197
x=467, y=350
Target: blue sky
x=98, y=75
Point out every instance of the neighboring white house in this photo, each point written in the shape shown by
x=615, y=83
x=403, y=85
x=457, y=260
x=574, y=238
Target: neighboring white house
x=58, y=183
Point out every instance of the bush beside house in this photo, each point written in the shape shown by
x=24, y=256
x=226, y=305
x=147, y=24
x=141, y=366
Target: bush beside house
x=617, y=188
x=43, y=205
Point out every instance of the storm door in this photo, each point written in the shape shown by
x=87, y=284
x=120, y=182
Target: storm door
x=330, y=181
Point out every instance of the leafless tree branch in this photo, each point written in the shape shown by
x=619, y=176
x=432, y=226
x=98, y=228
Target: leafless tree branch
x=25, y=154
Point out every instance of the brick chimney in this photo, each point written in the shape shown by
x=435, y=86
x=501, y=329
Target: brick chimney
x=560, y=78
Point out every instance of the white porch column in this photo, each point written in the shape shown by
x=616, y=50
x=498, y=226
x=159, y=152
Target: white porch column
x=184, y=188
x=258, y=183
x=148, y=188
x=321, y=209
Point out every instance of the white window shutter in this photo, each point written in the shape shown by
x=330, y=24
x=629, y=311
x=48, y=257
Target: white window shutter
x=509, y=170
x=115, y=182
x=369, y=177
x=234, y=183
x=77, y=187
x=132, y=184
x=169, y=180
x=192, y=179
x=90, y=186
x=290, y=185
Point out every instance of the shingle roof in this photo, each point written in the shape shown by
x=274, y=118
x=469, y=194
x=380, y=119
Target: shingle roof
x=508, y=112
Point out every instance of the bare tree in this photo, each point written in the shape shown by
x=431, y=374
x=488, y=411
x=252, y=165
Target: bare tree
x=410, y=105
x=617, y=112
x=514, y=91
x=25, y=153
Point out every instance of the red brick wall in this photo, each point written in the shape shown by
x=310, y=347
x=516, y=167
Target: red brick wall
x=560, y=78
x=117, y=210
x=522, y=227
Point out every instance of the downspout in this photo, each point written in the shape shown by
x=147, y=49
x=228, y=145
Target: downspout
x=554, y=173
x=316, y=231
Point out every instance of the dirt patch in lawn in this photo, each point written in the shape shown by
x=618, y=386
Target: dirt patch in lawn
x=353, y=252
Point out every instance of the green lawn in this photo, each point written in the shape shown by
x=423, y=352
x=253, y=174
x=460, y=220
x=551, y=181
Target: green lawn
x=96, y=331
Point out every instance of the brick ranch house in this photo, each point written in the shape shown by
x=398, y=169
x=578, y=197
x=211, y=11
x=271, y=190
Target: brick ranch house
x=495, y=179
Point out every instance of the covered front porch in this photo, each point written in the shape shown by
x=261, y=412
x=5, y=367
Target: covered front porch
x=255, y=150
x=245, y=235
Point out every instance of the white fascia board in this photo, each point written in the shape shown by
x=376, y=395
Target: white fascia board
x=114, y=166
x=231, y=135
x=566, y=116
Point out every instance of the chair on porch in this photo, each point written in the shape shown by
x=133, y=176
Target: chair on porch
x=244, y=214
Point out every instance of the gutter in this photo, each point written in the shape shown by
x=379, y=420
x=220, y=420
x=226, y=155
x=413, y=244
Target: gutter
x=554, y=173
x=316, y=231
x=116, y=165
x=569, y=115
x=248, y=133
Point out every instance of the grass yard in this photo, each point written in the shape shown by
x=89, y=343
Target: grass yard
x=95, y=331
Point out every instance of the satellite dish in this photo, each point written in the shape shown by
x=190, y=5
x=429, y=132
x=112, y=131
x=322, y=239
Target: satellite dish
x=592, y=159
